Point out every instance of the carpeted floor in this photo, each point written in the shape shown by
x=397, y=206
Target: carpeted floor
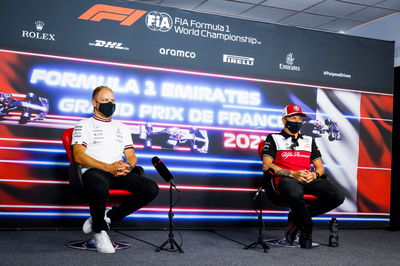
x=222, y=247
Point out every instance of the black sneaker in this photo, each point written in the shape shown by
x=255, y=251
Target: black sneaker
x=305, y=238
x=291, y=233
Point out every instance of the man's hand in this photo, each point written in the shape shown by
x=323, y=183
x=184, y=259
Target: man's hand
x=304, y=176
x=118, y=168
x=115, y=168
x=301, y=175
x=311, y=176
x=125, y=168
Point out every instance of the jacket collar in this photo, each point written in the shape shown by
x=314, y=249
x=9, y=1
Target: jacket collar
x=286, y=135
x=106, y=120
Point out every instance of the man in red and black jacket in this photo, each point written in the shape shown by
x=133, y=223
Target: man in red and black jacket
x=289, y=155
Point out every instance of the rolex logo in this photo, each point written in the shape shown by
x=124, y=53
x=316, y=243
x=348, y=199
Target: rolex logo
x=39, y=25
x=38, y=34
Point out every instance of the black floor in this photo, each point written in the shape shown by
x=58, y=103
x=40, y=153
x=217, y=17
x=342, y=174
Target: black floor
x=223, y=247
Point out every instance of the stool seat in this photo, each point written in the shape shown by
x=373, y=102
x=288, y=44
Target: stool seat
x=309, y=197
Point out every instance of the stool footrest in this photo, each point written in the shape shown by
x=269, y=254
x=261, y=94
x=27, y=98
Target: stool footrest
x=90, y=245
x=281, y=242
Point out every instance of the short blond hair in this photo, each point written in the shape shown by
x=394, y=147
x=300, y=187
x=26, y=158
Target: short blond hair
x=98, y=90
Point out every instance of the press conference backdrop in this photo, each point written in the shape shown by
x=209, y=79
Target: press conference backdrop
x=200, y=92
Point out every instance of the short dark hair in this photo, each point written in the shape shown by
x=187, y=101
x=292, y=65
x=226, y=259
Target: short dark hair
x=98, y=90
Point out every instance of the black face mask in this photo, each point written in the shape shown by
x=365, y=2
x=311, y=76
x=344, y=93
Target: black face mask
x=107, y=109
x=293, y=127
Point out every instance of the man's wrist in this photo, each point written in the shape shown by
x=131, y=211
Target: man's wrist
x=106, y=167
x=284, y=172
x=317, y=175
x=130, y=166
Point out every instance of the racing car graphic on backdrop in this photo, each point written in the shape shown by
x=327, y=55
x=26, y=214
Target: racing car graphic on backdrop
x=32, y=105
x=174, y=137
x=317, y=128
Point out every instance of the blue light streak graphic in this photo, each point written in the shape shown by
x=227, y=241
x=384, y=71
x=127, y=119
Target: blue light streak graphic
x=149, y=168
x=187, y=217
x=143, y=155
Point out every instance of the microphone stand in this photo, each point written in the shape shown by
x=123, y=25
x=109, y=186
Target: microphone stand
x=173, y=244
x=260, y=238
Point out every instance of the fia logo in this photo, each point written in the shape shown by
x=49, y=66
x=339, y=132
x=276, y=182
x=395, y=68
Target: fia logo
x=159, y=21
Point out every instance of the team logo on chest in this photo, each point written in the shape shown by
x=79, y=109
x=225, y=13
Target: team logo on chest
x=98, y=135
x=295, y=154
x=118, y=135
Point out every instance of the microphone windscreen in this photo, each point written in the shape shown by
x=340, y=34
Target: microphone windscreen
x=161, y=169
x=155, y=160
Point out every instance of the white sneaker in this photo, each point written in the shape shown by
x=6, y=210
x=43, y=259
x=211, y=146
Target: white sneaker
x=87, y=227
x=103, y=242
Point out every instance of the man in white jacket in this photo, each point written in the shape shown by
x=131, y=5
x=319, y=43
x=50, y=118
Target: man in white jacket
x=98, y=146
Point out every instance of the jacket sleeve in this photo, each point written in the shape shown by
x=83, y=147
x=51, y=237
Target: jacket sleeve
x=269, y=148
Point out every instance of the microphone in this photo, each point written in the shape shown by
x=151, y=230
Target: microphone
x=163, y=171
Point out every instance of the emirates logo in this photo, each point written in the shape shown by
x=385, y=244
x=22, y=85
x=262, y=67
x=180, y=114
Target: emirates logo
x=289, y=59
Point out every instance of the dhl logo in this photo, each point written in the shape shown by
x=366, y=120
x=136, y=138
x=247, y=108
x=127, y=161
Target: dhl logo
x=127, y=16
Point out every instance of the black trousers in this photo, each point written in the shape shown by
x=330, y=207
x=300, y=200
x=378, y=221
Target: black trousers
x=329, y=197
x=97, y=183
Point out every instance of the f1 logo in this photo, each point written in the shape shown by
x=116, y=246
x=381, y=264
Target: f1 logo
x=126, y=16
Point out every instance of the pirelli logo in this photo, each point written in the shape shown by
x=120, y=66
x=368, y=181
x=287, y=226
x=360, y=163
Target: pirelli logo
x=236, y=59
x=126, y=16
